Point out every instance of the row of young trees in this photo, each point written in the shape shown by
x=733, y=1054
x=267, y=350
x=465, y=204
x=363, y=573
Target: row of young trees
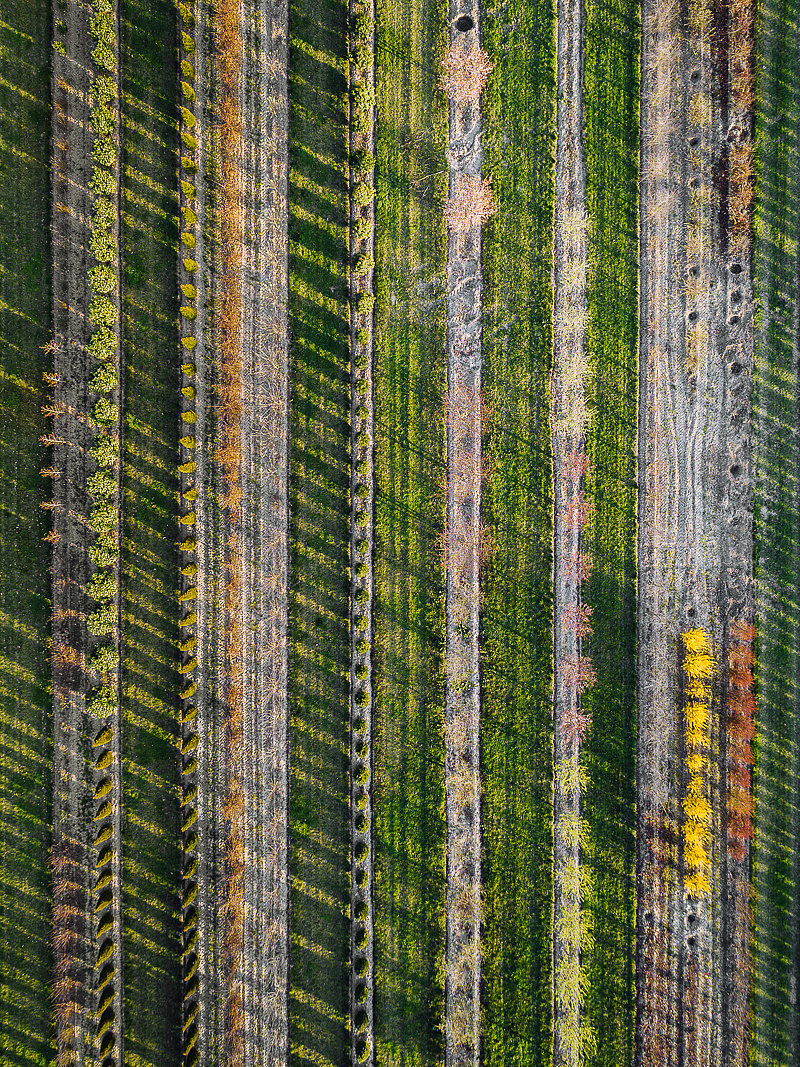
x=362, y=487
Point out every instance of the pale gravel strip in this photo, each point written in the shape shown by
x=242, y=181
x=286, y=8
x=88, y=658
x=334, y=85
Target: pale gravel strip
x=463, y=913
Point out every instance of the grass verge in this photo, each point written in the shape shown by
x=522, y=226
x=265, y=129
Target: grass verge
x=319, y=787
x=409, y=587
x=26, y=1028
x=611, y=102
x=516, y=739
x=774, y=1021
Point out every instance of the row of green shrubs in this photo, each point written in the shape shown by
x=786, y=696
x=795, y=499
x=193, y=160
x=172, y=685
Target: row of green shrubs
x=102, y=488
x=188, y=489
x=362, y=195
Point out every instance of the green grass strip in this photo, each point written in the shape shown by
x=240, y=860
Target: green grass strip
x=516, y=739
x=320, y=463
x=409, y=621
x=26, y=716
x=611, y=102
x=150, y=807
x=776, y=780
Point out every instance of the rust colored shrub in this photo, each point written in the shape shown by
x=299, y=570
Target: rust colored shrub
x=576, y=620
x=577, y=673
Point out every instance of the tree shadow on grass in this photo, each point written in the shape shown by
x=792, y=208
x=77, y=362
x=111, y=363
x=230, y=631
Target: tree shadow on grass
x=150, y=814
x=26, y=1023
x=775, y=1040
x=318, y=631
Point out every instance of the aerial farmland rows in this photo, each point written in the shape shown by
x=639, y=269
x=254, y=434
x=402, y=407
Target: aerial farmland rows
x=400, y=516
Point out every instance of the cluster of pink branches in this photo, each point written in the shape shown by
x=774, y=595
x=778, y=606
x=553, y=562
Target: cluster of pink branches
x=472, y=204
x=465, y=73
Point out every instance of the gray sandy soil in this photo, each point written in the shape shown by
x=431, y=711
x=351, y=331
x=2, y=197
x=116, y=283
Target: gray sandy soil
x=695, y=545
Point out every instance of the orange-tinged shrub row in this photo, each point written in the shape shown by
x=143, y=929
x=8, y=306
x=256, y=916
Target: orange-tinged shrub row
x=740, y=729
x=698, y=666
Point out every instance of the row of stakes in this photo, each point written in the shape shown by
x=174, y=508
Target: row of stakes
x=187, y=469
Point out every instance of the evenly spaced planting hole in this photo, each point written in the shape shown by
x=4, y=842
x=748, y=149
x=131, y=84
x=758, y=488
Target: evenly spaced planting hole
x=692, y=316
x=736, y=470
x=695, y=75
x=694, y=272
x=736, y=368
x=736, y=296
x=464, y=23
x=690, y=941
x=690, y=612
x=693, y=142
x=733, y=320
x=736, y=268
x=692, y=918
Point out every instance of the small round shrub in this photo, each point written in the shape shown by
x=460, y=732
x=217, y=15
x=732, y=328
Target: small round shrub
x=103, y=702
x=105, y=451
x=362, y=774
x=188, y=92
x=103, y=152
x=362, y=1051
x=188, y=190
x=102, y=121
x=101, y=485
x=361, y=798
x=103, y=213
x=102, y=245
x=362, y=647
x=362, y=388
x=189, y=140
x=190, y=265
x=362, y=938
x=189, y=313
x=190, y=494
x=365, y=304
x=188, y=164
x=104, y=659
x=363, y=442
x=103, y=516
x=361, y=361
x=363, y=162
x=190, y=570
x=102, y=311
x=362, y=748
x=102, y=182
x=362, y=877
x=102, y=586
x=363, y=265
x=361, y=123
x=105, y=89
x=104, y=378
x=363, y=25
x=362, y=229
x=362, y=570
x=189, y=392
x=361, y=993
x=187, y=70
x=102, y=344
x=362, y=194
x=187, y=468
x=361, y=911
x=189, y=370
x=362, y=489
x=102, y=278
x=189, y=291
x=188, y=416
x=102, y=621
x=361, y=672
x=188, y=239
x=104, y=57
x=362, y=596
x=363, y=58
x=104, y=552
x=361, y=699
x=361, y=824
x=361, y=966
x=359, y=726
x=362, y=545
